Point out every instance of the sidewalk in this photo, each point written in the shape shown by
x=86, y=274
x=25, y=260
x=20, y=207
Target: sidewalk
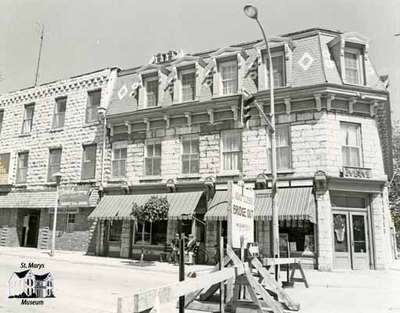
x=80, y=258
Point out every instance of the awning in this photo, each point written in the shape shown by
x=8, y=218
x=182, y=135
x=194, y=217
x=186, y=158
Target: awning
x=29, y=200
x=182, y=205
x=293, y=204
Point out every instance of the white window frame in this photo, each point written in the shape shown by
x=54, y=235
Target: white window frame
x=237, y=134
x=191, y=155
x=146, y=157
x=119, y=146
x=50, y=177
x=85, y=161
x=275, y=54
x=1, y=119
x=183, y=72
x=288, y=147
x=27, y=120
x=224, y=64
x=146, y=95
x=91, y=108
x=58, y=114
x=19, y=168
x=345, y=146
x=360, y=66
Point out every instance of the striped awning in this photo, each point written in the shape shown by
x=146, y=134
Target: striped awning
x=293, y=204
x=29, y=200
x=182, y=205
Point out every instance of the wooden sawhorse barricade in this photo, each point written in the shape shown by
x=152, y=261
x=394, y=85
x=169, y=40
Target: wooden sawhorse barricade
x=265, y=293
x=293, y=263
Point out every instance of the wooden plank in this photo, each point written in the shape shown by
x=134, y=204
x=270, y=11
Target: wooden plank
x=299, y=280
x=282, y=295
x=210, y=291
x=147, y=299
x=263, y=293
x=280, y=261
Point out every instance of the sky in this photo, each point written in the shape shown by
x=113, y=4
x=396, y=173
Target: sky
x=86, y=35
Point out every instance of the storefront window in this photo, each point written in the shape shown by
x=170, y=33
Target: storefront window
x=297, y=238
x=115, y=231
x=154, y=233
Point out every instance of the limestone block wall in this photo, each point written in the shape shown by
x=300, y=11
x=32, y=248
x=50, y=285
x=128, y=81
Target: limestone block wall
x=324, y=234
x=8, y=225
x=70, y=138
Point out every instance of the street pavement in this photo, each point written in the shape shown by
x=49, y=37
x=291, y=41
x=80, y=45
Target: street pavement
x=93, y=284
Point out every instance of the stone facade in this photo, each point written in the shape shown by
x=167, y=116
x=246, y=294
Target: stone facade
x=71, y=138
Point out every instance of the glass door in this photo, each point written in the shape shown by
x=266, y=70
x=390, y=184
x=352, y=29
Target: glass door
x=341, y=239
x=359, y=243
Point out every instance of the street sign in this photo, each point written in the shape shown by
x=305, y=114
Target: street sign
x=240, y=216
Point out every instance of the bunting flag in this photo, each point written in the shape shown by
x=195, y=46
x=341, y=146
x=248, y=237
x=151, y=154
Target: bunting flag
x=208, y=72
x=137, y=83
x=169, y=82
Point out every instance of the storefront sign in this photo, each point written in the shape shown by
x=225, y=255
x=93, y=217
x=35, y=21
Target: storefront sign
x=4, y=167
x=74, y=197
x=241, y=216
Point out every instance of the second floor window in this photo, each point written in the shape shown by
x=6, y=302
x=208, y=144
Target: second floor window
x=28, y=118
x=231, y=151
x=278, y=64
x=54, y=164
x=151, y=85
x=188, y=82
x=229, y=77
x=352, y=65
x=153, y=159
x=22, y=167
x=119, y=155
x=89, y=162
x=94, y=99
x=351, y=144
x=59, y=113
x=1, y=119
x=4, y=168
x=283, y=148
x=190, y=155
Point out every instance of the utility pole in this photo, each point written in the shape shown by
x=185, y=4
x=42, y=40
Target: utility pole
x=40, y=53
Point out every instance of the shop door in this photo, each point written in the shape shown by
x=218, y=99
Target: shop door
x=359, y=244
x=30, y=230
x=350, y=240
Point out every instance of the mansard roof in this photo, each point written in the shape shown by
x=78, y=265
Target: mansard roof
x=310, y=60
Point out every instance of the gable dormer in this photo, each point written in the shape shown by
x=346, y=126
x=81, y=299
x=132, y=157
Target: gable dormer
x=282, y=54
x=350, y=53
x=228, y=70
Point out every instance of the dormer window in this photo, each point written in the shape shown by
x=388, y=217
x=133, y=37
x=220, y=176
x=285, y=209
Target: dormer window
x=188, y=84
x=229, y=77
x=278, y=64
x=353, y=67
x=151, y=88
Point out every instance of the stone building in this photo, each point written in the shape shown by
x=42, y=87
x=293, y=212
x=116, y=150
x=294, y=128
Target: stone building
x=176, y=131
x=44, y=130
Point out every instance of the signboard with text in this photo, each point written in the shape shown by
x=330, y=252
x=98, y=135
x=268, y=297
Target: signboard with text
x=240, y=216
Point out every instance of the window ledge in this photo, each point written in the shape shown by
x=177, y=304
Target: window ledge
x=117, y=180
x=96, y=123
x=189, y=176
x=229, y=173
x=87, y=181
x=24, y=135
x=150, y=177
x=56, y=130
x=20, y=185
x=186, y=102
x=216, y=97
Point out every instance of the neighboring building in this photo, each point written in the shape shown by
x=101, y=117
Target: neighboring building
x=176, y=131
x=48, y=129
